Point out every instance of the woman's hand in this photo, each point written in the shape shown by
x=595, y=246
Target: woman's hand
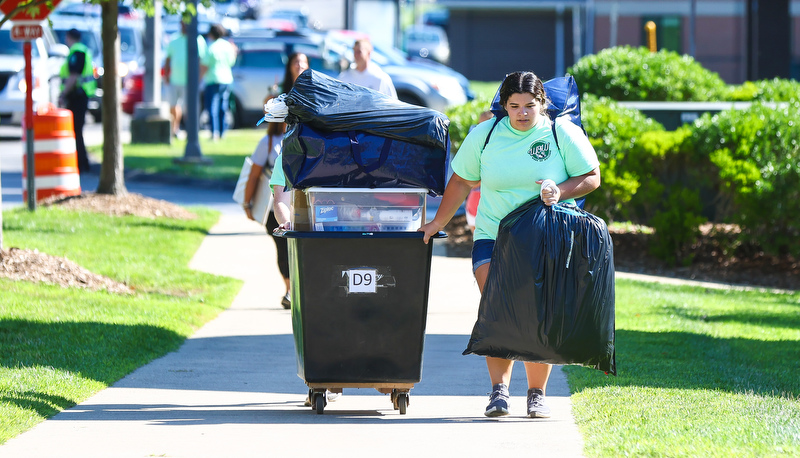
x=550, y=193
x=287, y=226
x=248, y=210
x=430, y=229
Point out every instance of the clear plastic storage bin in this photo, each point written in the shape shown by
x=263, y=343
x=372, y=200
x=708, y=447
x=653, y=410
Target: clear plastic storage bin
x=366, y=210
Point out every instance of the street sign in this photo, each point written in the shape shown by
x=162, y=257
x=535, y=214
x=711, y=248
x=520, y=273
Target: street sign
x=27, y=13
x=26, y=32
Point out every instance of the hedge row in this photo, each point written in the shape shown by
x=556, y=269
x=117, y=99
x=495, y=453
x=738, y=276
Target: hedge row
x=740, y=166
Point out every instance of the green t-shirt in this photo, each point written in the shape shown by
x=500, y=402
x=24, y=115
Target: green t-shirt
x=278, y=178
x=178, y=62
x=513, y=161
x=220, y=57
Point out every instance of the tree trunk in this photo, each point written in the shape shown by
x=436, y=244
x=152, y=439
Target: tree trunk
x=112, y=178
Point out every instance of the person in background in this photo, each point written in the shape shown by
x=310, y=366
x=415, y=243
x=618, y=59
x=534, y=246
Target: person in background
x=175, y=72
x=366, y=73
x=283, y=215
x=77, y=86
x=215, y=70
x=520, y=162
x=265, y=156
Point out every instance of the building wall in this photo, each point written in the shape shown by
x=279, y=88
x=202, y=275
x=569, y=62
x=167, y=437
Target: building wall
x=720, y=31
x=486, y=45
x=720, y=34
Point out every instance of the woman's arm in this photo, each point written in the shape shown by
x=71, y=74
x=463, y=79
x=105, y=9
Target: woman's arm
x=250, y=189
x=282, y=206
x=573, y=187
x=455, y=193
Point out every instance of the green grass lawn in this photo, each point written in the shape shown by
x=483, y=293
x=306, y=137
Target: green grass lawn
x=704, y=373
x=226, y=155
x=59, y=346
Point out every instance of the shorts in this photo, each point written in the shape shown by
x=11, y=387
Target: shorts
x=481, y=253
x=177, y=95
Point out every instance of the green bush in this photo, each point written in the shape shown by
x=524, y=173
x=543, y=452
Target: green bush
x=774, y=90
x=757, y=184
x=462, y=117
x=615, y=133
x=626, y=73
x=677, y=226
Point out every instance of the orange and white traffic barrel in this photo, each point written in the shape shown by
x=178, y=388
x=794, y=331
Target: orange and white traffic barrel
x=55, y=155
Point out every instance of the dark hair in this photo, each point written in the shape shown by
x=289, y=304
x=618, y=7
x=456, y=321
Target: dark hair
x=75, y=34
x=523, y=83
x=288, y=81
x=217, y=31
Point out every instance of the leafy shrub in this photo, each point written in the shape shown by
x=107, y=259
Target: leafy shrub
x=614, y=132
x=626, y=73
x=774, y=90
x=757, y=156
x=677, y=226
x=462, y=117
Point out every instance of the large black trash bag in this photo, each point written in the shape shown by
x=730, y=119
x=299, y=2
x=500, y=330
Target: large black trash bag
x=357, y=159
x=549, y=296
x=328, y=104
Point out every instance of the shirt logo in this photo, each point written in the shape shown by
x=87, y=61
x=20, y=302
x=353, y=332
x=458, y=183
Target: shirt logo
x=540, y=151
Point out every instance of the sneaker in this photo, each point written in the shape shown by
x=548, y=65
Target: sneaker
x=332, y=396
x=286, y=301
x=536, y=406
x=498, y=401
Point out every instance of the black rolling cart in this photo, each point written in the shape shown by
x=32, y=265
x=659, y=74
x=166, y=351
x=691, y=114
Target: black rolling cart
x=359, y=308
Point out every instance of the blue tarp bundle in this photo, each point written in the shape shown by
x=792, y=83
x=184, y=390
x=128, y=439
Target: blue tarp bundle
x=346, y=135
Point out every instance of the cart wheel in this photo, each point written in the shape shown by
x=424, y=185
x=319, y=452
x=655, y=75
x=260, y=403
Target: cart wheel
x=319, y=402
x=402, y=402
x=394, y=399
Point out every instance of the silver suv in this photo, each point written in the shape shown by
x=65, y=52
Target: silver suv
x=47, y=56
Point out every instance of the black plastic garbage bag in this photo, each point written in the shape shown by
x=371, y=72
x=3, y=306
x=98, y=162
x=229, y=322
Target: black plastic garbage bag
x=357, y=159
x=549, y=296
x=326, y=103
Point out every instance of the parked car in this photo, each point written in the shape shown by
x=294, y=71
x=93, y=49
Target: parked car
x=428, y=84
x=427, y=41
x=300, y=18
x=91, y=37
x=260, y=67
x=131, y=48
x=242, y=9
x=437, y=17
x=132, y=91
x=47, y=56
x=79, y=9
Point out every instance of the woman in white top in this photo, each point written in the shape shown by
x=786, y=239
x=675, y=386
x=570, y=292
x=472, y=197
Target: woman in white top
x=265, y=155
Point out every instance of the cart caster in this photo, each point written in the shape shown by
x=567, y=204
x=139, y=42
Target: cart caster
x=400, y=401
x=319, y=401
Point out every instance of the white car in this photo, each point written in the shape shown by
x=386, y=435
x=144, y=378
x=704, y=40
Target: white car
x=427, y=41
x=47, y=56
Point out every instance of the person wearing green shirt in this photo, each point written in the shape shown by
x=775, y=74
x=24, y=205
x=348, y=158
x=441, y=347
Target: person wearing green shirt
x=215, y=68
x=175, y=73
x=520, y=162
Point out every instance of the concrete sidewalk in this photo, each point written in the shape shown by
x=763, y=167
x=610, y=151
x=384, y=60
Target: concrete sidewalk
x=232, y=390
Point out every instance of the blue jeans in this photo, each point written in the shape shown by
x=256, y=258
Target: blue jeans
x=216, y=98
